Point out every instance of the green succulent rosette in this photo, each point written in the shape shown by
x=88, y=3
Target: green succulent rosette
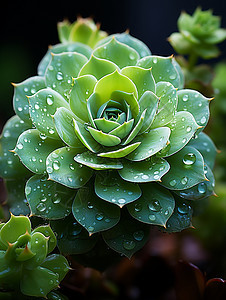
x=198, y=34
x=25, y=263
x=109, y=143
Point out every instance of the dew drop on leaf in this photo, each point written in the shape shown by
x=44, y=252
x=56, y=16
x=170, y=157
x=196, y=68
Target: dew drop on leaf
x=173, y=182
x=184, y=180
x=137, y=207
x=99, y=216
x=152, y=217
x=20, y=146
x=59, y=76
x=185, y=98
x=202, y=188
x=90, y=205
x=138, y=235
x=183, y=209
x=41, y=207
x=189, y=159
x=129, y=245
x=154, y=205
x=56, y=165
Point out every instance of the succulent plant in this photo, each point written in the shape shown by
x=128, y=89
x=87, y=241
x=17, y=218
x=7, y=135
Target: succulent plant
x=24, y=261
x=198, y=34
x=110, y=143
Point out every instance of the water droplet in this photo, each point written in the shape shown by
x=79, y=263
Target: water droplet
x=49, y=100
x=189, y=128
x=129, y=245
x=56, y=165
x=49, y=169
x=189, y=159
x=37, y=106
x=70, y=179
x=27, y=190
x=154, y=205
x=90, y=205
x=121, y=201
x=152, y=217
x=203, y=120
x=90, y=228
x=183, y=209
x=184, y=180
x=184, y=140
x=99, y=216
x=56, y=199
x=51, y=131
x=185, y=98
x=43, y=200
x=137, y=207
x=20, y=146
x=154, y=60
x=138, y=235
x=74, y=230
x=144, y=177
x=202, y=188
x=59, y=76
x=132, y=56
x=41, y=207
x=172, y=76
x=173, y=182
x=42, y=136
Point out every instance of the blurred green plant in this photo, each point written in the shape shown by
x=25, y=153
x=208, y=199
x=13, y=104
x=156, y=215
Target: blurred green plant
x=25, y=263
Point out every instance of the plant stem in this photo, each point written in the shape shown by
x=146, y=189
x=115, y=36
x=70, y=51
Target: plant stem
x=192, y=60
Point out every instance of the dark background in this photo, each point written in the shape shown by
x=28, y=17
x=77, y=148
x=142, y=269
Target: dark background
x=28, y=27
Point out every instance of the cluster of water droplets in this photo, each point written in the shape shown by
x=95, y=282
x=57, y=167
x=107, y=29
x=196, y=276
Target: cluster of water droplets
x=197, y=100
x=21, y=104
x=154, y=172
x=62, y=80
x=188, y=161
x=154, y=210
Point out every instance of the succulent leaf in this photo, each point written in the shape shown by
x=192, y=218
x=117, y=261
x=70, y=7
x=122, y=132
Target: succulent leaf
x=112, y=188
x=98, y=67
x=60, y=48
x=97, y=162
x=151, y=143
x=62, y=168
x=34, y=282
x=167, y=104
x=93, y=213
x=10, y=166
x=163, y=69
x=63, y=120
x=127, y=237
x=206, y=147
x=128, y=56
x=33, y=148
x=160, y=204
x=46, y=198
x=195, y=103
x=151, y=169
x=61, y=71
x=23, y=90
x=43, y=106
x=187, y=169
x=72, y=237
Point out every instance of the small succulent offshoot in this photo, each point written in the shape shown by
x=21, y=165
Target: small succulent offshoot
x=108, y=141
x=26, y=264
